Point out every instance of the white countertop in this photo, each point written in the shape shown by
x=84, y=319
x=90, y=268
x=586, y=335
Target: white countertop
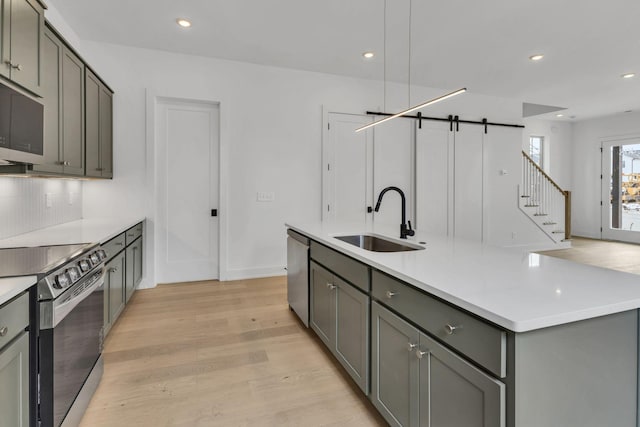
x=97, y=230
x=12, y=286
x=516, y=290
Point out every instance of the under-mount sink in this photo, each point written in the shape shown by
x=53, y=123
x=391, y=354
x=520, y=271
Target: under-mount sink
x=377, y=244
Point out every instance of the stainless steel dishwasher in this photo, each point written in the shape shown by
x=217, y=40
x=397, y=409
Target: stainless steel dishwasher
x=298, y=275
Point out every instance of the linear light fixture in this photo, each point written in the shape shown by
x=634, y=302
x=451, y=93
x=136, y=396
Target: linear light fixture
x=417, y=107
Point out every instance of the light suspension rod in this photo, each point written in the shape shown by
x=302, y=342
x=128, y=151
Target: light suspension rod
x=417, y=107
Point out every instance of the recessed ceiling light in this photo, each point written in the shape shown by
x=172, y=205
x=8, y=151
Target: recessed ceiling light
x=628, y=75
x=559, y=115
x=537, y=57
x=184, y=23
x=368, y=55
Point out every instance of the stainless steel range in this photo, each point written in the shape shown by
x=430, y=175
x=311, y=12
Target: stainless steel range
x=69, y=322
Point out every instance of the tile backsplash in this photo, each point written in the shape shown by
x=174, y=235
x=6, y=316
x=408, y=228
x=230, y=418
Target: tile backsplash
x=28, y=204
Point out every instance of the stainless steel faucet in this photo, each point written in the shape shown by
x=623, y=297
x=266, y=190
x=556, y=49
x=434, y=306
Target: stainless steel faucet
x=404, y=230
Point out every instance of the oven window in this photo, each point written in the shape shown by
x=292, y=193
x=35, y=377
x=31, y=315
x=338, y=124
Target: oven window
x=76, y=348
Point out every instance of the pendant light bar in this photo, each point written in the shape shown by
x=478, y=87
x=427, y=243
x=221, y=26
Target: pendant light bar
x=417, y=107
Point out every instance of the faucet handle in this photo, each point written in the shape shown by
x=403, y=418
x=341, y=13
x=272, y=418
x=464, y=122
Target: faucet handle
x=410, y=231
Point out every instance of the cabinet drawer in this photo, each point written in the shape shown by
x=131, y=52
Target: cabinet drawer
x=480, y=341
x=14, y=316
x=113, y=246
x=345, y=267
x=133, y=233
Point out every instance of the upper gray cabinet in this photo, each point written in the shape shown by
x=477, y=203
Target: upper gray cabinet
x=99, y=125
x=22, y=27
x=63, y=92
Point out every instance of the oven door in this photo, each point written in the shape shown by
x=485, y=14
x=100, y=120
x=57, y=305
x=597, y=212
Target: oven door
x=70, y=349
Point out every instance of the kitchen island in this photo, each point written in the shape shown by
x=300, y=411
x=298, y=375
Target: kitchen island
x=460, y=333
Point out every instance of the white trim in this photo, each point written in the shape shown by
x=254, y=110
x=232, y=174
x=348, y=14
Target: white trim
x=153, y=96
x=255, y=273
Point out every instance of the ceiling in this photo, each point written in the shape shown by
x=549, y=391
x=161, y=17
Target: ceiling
x=481, y=45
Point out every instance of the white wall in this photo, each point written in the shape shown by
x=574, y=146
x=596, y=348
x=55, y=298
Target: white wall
x=23, y=205
x=587, y=137
x=558, y=148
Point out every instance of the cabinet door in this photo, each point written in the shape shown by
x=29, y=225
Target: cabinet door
x=51, y=83
x=116, y=273
x=394, y=376
x=92, y=123
x=455, y=393
x=323, y=307
x=352, y=332
x=134, y=267
x=106, y=132
x=27, y=25
x=14, y=381
x=72, y=113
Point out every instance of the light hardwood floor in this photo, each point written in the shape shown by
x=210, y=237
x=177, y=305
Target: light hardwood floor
x=221, y=354
x=614, y=255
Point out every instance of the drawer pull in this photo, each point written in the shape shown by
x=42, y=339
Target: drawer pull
x=450, y=329
x=118, y=243
x=410, y=346
x=3, y=331
x=390, y=294
x=331, y=286
x=420, y=354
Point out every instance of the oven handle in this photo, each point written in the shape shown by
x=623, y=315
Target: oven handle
x=61, y=311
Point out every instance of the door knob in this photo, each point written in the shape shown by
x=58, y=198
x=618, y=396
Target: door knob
x=410, y=346
x=420, y=354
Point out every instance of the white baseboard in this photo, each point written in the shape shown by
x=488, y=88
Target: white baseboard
x=254, y=273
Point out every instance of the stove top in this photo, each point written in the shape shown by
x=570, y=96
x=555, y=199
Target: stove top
x=38, y=261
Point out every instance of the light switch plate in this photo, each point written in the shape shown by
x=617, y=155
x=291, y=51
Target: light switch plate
x=48, y=200
x=266, y=196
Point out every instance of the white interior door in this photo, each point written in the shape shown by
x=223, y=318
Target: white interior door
x=468, y=179
x=393, y=165
x=347, y=168
x=621, y=190
x=434, y=178
x=187, y=147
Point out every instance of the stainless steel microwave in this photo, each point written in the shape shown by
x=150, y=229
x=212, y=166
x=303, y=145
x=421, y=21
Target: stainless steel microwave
x=21, y=127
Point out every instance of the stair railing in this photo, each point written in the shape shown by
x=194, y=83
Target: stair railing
x=543, y=193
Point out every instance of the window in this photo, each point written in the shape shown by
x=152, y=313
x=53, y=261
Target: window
x=535, y=148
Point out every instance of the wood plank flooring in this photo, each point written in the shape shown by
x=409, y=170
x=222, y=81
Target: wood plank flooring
x=601, y=253
x=221, y=354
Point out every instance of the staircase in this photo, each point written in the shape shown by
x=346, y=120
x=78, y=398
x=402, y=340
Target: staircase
x=544, y=202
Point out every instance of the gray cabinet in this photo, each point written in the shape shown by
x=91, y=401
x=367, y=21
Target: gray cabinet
x=63, y=91
x=134, y=267
x=99, y=127
x=22, y=29
x=418, y=382
x=14, y=362
x=340, y=316
x=114, y=285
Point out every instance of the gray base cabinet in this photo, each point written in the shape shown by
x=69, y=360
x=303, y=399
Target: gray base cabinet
x=14, y=362
x=114, y=290
x=418, y=382
x=14, y=377
x=340, y=316
x=134, y=267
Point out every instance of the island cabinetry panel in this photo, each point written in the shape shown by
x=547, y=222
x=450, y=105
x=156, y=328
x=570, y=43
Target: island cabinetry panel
x=482, y=342
x=340, y=316
x=134, y=267
x=349, y=269
x=418, y=382
x=21, y=29
x=14, y=362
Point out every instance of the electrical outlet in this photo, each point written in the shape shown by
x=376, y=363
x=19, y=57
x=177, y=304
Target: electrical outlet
x=71, y=197
x=48, y=200
x=266, y=196
x=513, y=235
